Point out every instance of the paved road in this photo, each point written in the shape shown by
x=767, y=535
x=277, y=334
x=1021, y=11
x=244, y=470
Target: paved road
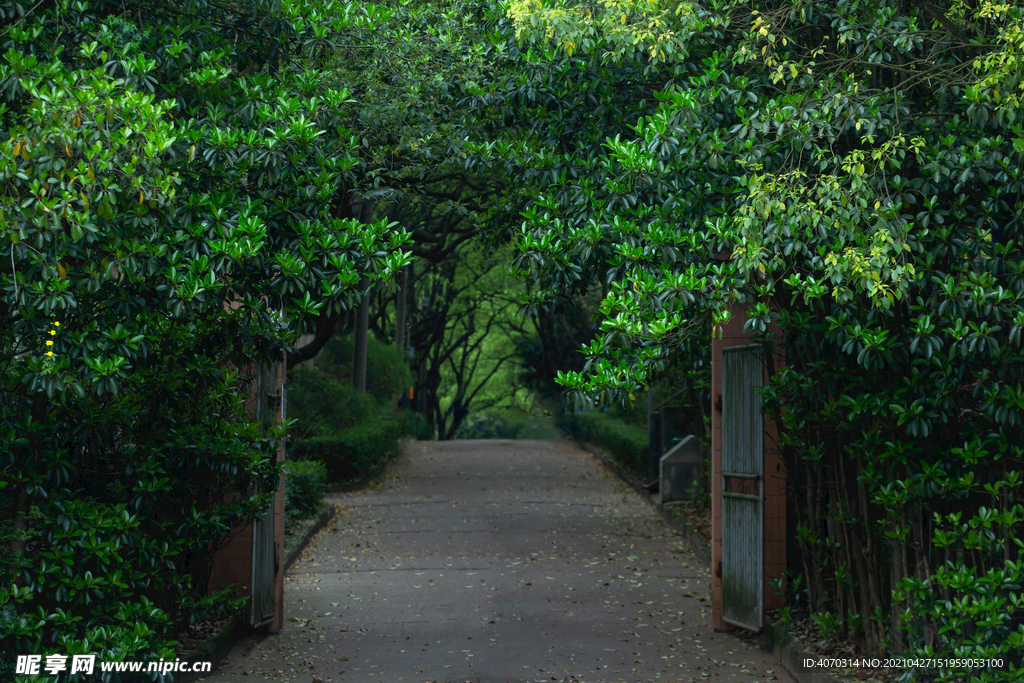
x=496, y=561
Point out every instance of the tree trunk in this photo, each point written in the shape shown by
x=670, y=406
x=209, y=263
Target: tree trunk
x=400, y=296
x=896, y=574
x=837, y=534
x=870, y=558
x=815, y=496
x=362, y=318
x=327, y=325
x=922, y=568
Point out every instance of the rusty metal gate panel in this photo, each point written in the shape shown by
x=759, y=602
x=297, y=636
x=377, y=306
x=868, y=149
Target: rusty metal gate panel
x=742, y=513
x=263, y=569
x=262, y=585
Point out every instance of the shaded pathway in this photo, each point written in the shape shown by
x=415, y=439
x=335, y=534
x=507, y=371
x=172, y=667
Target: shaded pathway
x=498, y=561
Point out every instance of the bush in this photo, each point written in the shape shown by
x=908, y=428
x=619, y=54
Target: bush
x=506, y=424
x=324, y=405
x=352, y=434
x=490, y=426
x=414, y=425
x=626, y=443
x=139, y=513
x=304, y=487
x=353, y=454
x=386, y=370
x=539, y=428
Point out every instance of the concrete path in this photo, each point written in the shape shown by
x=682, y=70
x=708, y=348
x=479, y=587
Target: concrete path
x=496, y=561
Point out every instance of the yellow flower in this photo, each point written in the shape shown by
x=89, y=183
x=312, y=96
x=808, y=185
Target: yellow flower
x=49, y=353
x=49, y=342
x=56, y=324
x=53, y=332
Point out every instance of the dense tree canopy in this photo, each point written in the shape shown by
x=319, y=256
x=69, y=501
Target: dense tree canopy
x=176, y=184
x=851, y=172
x=178, y=181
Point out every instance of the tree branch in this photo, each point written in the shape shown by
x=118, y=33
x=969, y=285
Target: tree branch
x=326, y=324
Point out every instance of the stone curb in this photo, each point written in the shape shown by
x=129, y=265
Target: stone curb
x=693, y=539
x=213, y=650
x=323, y=518
x=790, y=655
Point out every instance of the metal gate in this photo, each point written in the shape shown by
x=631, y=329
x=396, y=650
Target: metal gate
x=263, y=569
x=262, y=585
x=742, y=468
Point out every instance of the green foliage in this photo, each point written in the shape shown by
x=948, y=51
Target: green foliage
x=387, y=372
x=626, y=443
x=354, y=454
x=415, y=426
x=352, y=434
x=616, y=29
x=8, y=658
x=553, y=345
x=850, y=173
x=304, y=487
x=507, y=424
x=137, y=521
x=175, y=191
x=464, y=335
x=322, y=405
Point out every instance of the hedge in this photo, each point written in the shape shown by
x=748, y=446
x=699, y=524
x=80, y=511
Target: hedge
x=506, y=424
x=415, y=426
x=324, y=405
x=386, y=370
x=304, y=487
x=626, y=443
x=353, y=454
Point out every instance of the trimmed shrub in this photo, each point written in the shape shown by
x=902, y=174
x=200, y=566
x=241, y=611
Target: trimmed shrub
x=490, y=426
x=324, y=405
x=353, y=454
x=539, y=428
x=386, y=370
x=414, y=425
x=304, y=487
x=506, y=424
x=626, y=443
